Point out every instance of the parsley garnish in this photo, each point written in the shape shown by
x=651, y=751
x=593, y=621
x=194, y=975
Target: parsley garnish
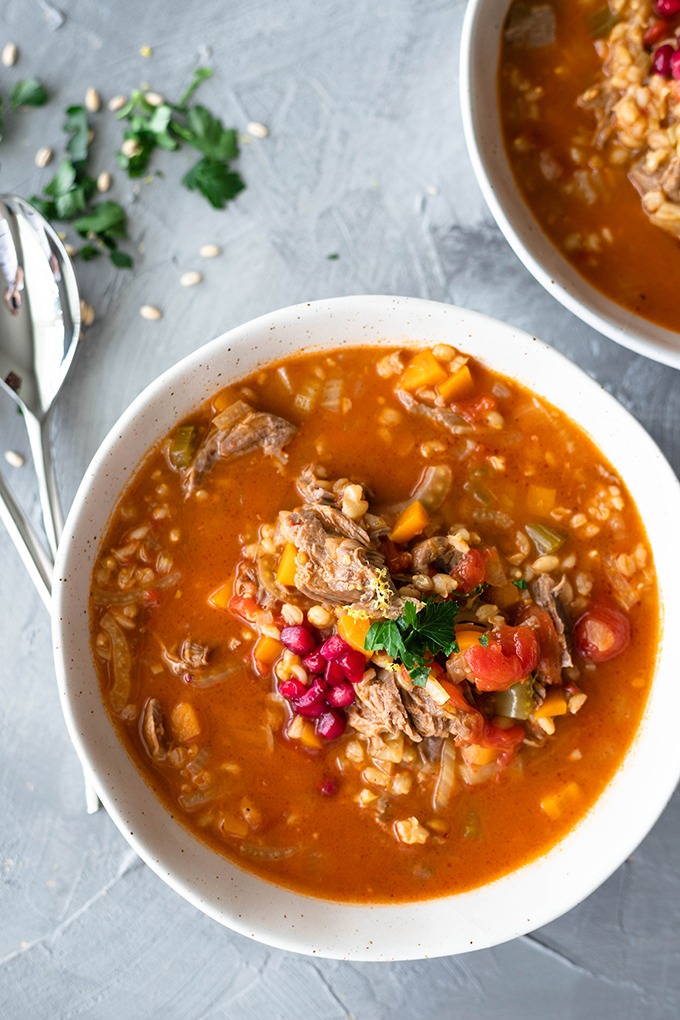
x=416, y=637
x=521, y=584
x=484, y=640
x=28, y=93
x=69, y=194
x=168, y=126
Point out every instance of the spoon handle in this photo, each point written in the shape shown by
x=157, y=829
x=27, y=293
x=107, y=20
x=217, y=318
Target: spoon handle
x=53, y=518
x=27, y=543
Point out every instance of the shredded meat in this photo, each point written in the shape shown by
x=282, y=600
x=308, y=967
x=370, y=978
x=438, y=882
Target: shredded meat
x=153, y=730
x=239, y=429
x=338, y=563
x=438, y=551
x=389, y=702
x=313, y=489
x=547, y=595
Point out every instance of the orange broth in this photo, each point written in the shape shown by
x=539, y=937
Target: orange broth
x=295, y=834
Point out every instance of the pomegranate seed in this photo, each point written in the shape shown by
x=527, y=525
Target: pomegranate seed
x=331, y=724
x=353, y=664
x=329, y=788
x=298, y=640
x=314, y=663
x=667, y=8
x=675, y=65
x=312, y=703
x=292, y=688
x=662, y=59
x=334, y=673
x=341, y=695
x=334, y=646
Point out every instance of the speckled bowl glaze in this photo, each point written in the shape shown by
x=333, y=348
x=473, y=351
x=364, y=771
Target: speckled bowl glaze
x=479, y=56
x=510, y=906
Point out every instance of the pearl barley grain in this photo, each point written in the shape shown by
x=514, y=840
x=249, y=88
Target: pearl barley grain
x=10, y=54
x=150, y=312
x=190, y=279
x=257, y=130
x=43, y=156
x=209, y=251
x=103, y=181
x=93, y=100
x=117, y=103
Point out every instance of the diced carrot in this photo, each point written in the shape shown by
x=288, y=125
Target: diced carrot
x=185, y=724
x=554, y=703
x=353, y=630
x=410, y=522
x=555, y=803
x=540, y=500
x=457, y=385
x=221, y=598
x=285, y=572
x=422, y=370
x=466, y=638
x=267, y=649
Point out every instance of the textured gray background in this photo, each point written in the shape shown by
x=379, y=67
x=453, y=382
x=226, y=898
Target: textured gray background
x=366, y=159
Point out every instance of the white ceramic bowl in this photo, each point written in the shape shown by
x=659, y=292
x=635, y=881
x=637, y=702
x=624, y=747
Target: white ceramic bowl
x=510, y=906
x=479, y=56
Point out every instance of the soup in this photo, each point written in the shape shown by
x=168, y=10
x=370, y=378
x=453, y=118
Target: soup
x=589, y=125
x=376, y=624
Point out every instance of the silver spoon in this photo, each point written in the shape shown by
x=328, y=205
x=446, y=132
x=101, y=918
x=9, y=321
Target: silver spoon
x=39, y=333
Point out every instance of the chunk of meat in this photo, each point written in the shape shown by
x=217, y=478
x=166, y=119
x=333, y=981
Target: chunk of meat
x=390, y=702
x=547, y=595
x=530, y=24
x=437, y=551
x=238, y=430
x=665, y=180
x=314, y=489
x=153, y=730
x=336, y=561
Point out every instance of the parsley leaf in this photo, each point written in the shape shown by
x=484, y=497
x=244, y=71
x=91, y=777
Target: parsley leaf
x=78, y=128
x=200, y=74
x=484, y=640
x=416, y=637
x=215, y=181
x=207, y=134
x=28, y=93
x=521, y=584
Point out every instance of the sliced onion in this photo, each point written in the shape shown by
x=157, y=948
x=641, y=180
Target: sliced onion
x=431, y=490
x=121, y=663
x=446, y=780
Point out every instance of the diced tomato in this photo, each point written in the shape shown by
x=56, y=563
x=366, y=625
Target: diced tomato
x=246, y=608
x=475, y=410
x=510, y=655
x=470, y=572
x=398, y=560
x=507, y=740
x=549, y=650
x=601, y=633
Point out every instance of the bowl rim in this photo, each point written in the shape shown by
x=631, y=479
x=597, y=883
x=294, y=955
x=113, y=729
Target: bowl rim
x=531, y=896
x=479, y=47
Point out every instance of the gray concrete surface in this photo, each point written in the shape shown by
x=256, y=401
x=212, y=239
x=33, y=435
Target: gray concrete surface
x=365, y=159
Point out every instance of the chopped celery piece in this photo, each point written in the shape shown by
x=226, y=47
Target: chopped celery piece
x=472, y=828
x=545, y=538
x=183, y=447
x=517, y=702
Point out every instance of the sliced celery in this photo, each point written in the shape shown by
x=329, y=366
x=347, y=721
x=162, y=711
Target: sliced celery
x=546, y=539
x=517, y=702
x=183, y=447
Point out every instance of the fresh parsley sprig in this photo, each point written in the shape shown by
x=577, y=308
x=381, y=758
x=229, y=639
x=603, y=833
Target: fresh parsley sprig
x=68, y=196
x=168, y=126
x=416, y=637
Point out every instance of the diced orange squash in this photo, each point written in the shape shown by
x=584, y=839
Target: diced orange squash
x=220, y=599
x=353, y=630
x=475, y=754
x=457, y=385
x=412, y=520
x=468, y=637
x=540, y=500
x=285, y=572
x=554, y=703
x=184, y=721
x=422, y=370
x=303, y=730
x=223, y=400
x=267, y=650
x=555, y=803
